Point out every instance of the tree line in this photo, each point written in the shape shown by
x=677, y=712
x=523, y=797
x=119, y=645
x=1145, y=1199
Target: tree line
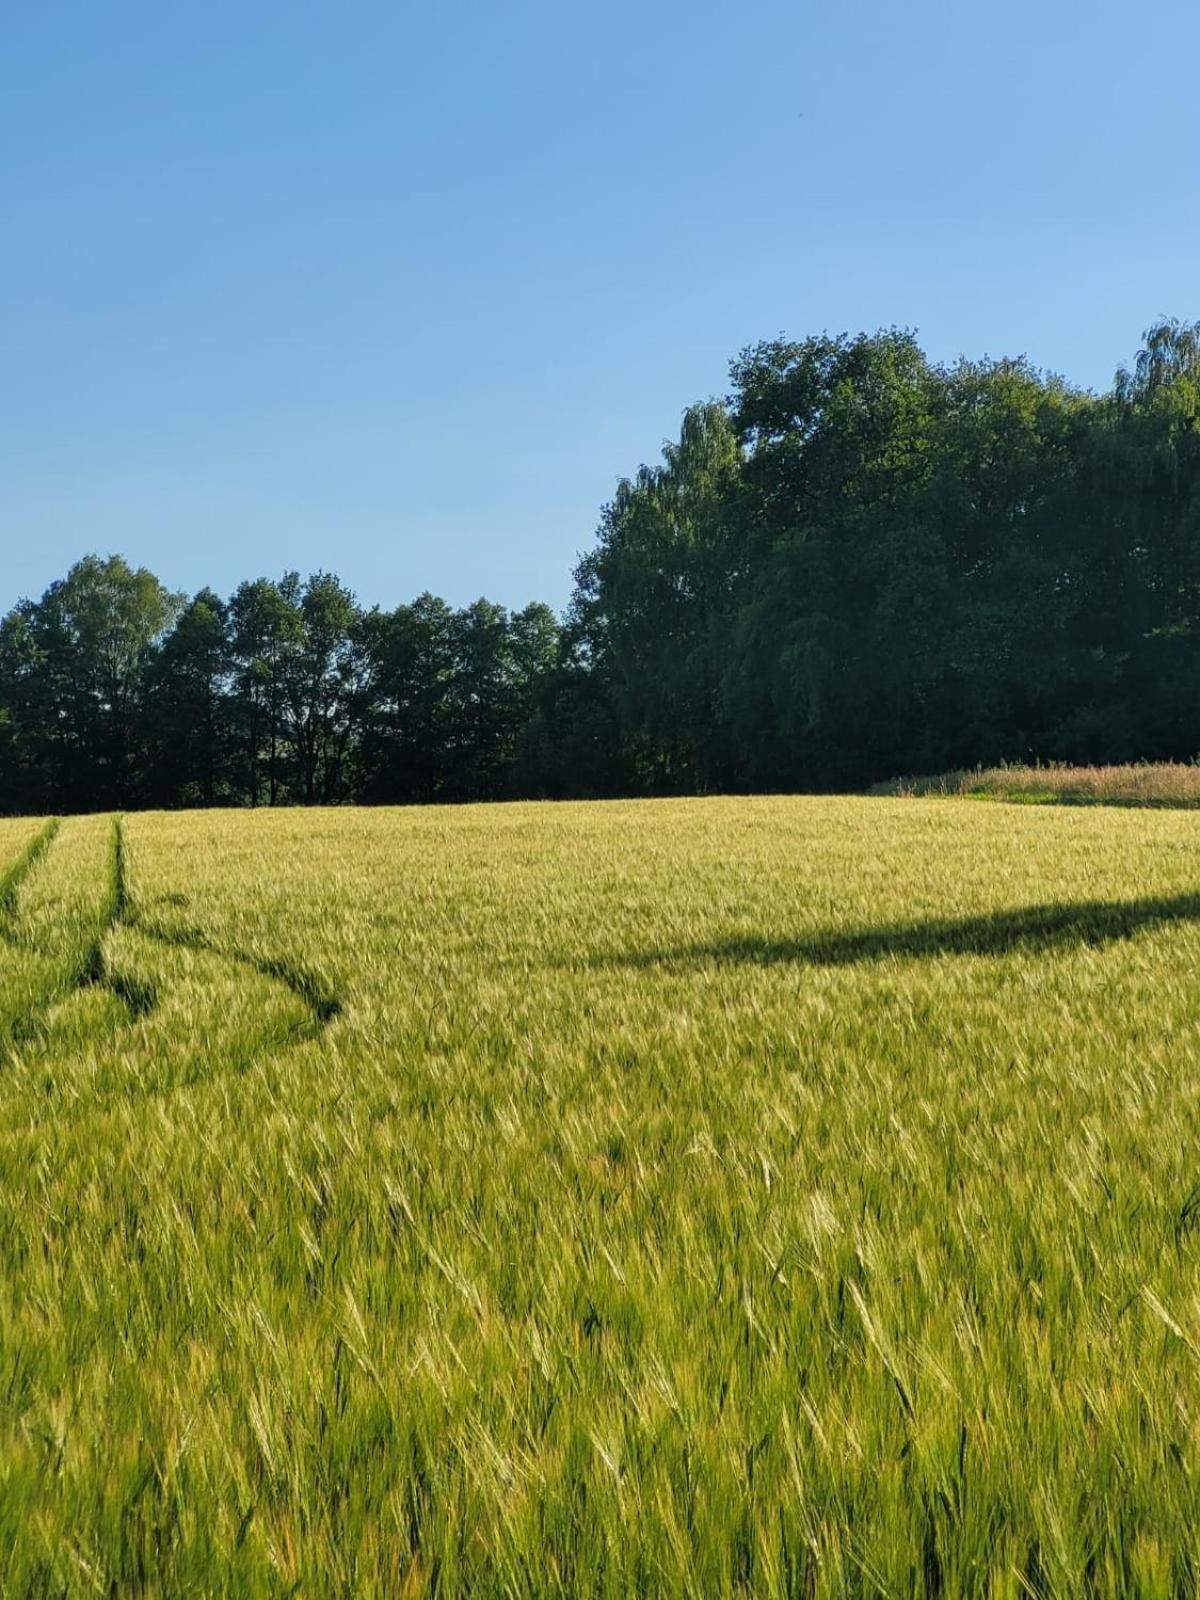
x=115, y=692
x=859, y=563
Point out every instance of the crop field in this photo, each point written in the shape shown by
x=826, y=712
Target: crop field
x=679, y=1198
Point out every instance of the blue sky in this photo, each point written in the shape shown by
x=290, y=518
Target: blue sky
x=402, y=290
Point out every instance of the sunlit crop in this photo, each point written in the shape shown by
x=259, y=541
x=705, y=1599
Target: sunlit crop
x=780, y=1197
x=1143, y=783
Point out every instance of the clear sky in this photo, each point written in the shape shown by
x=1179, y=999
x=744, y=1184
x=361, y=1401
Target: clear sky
x=401, y=290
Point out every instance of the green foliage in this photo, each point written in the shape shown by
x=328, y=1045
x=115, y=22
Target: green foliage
x=655, y=594
x=72, y=682
x=860, y=563
x=905, y=565
x=111, y=690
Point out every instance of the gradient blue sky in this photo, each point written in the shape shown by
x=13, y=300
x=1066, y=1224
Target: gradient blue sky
x=402, y=290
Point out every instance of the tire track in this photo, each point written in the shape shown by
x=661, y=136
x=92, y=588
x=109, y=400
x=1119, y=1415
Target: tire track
x=91, y=965
x=14, y=877
x=318, y=996
x=67, y=973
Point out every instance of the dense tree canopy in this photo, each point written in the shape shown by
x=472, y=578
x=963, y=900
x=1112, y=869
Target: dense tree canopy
x=864, y=564
x=858, y=564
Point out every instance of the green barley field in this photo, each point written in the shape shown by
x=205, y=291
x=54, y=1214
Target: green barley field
x=781, y=1197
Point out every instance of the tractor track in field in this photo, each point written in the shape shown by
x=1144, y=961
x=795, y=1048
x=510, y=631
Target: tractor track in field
x=85, y=971
x=12, y=879
x=320, y=999
x=119, y=910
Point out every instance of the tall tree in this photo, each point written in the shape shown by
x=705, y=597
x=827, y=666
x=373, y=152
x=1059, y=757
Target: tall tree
x=407, y=740
x=656, y=594
x=267, y=629
x=187, y=758
x=483, y=703
x=74, y=663
x=322, y=678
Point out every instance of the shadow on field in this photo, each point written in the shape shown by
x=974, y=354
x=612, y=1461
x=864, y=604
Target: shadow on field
x=1026, y=928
